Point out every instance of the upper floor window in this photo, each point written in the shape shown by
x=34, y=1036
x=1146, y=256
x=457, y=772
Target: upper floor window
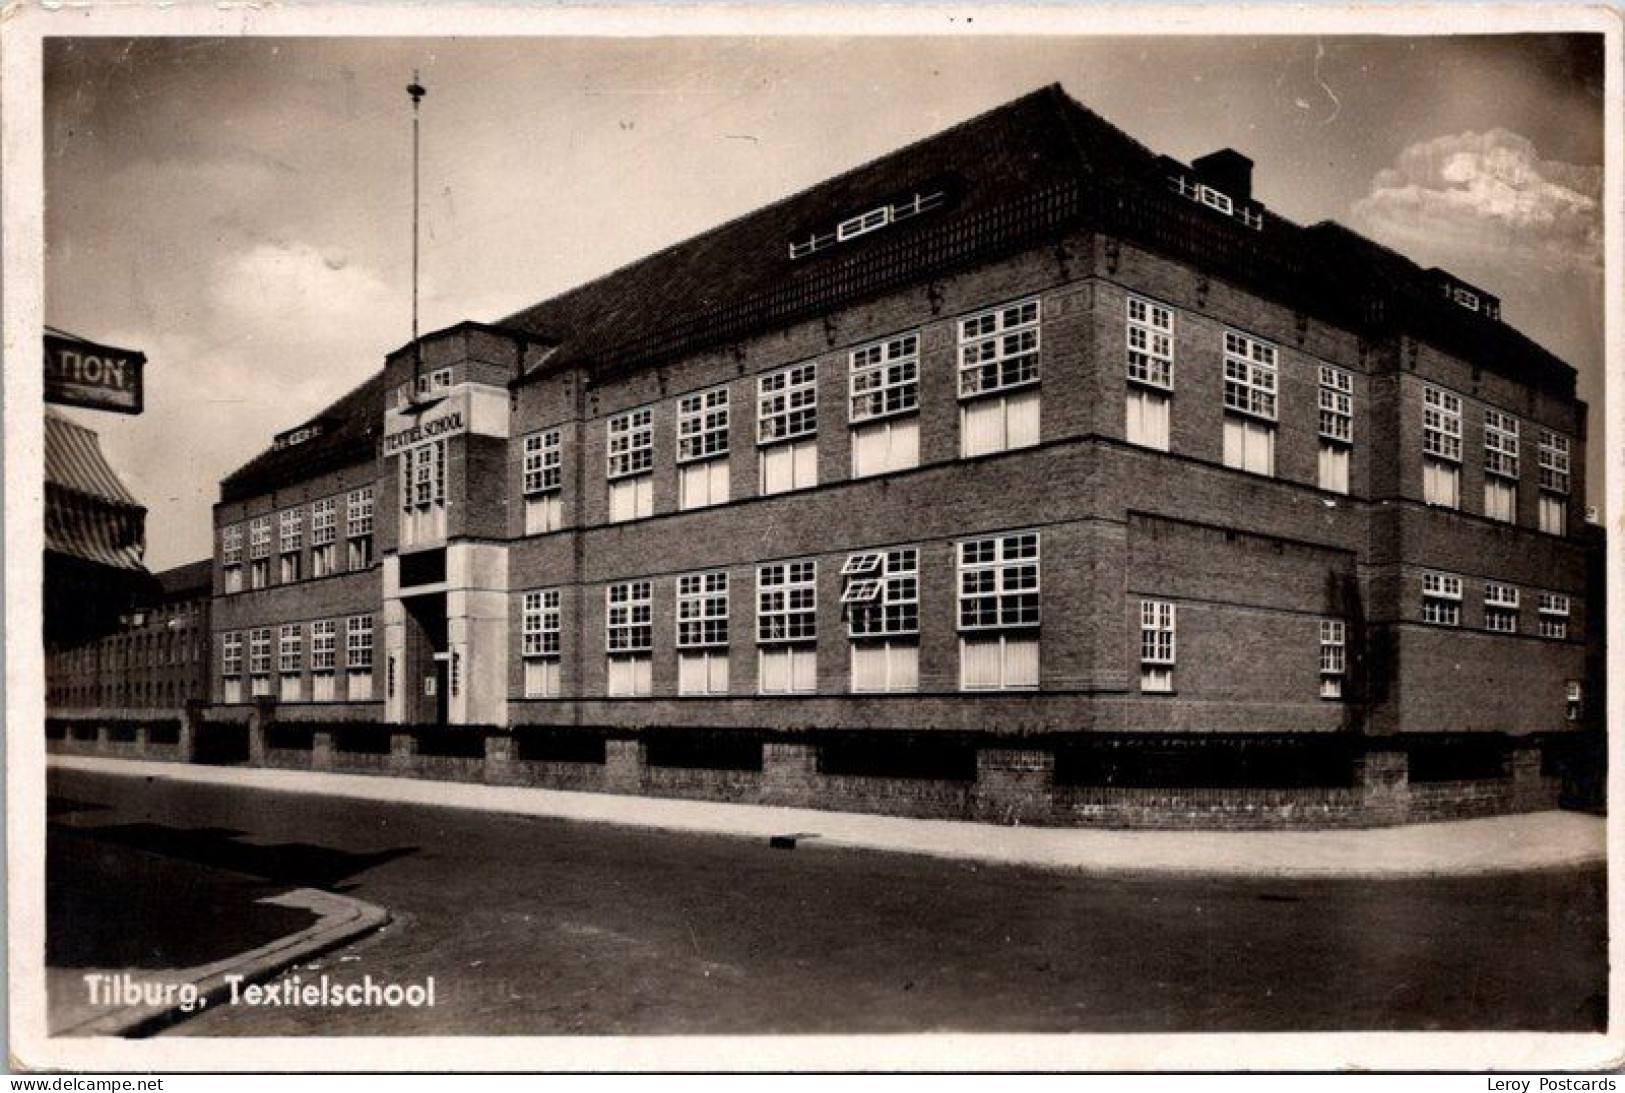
x=787, y=602
x=259, y=537
x=1441, y=599
x=1500, y=444
x=423, y=475
x=323, y=645
x=1441, y=424
x=1150, y=343
x=1333, y=657
x=1158, y=625
x=999, y=349
x=1336, y=404
x=702, y=610
x=358, y=514
x=631, y=443
x=430, y=382
x=1554, y=461
x=868, y=221
x=358, y=642
x=1500, y=607
x=259, y=651
x=702, y=425
x=541, y=623
x=787, y=404
x=231, y=544
x=998, y=582
x=292, y=649
x=231, y=654
x=1249, y=375
x=885, y=378
x=1553, y=609
x=629, y=618
x=543, y=461
x=882, y=593
x=323, y=521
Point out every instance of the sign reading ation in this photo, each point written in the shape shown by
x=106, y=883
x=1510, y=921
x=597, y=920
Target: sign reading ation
x=96, y=377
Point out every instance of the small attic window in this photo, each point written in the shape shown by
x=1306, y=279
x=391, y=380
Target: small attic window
x=1465, y=296
x=872, y=220
x=1249, y=213
x=298, y=436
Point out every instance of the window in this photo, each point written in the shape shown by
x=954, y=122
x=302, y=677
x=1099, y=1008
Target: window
x=430, y=382
x=1553, y=609
x=999, y=612
x=231, y=655
x=1500, y=607
x=1500, y=499
x=1333, y=657
x=1158, y=621
x=541, y=475
x=423, y=492
x=291, y=540
x=885, y=378
x=866, y=222
x=1554, y=461
x=1500, y=444
x=323, y=533
x=259, y=537
x=1150, y=343
x=787, y=427
x=1441, y=599
x=631, y=443
x=358, y=527
x=541, y=631
x=1249, y=375
x=323, y=645
x=882, y=598
x=1441, y=424
x=1148, y=418
x=1249, y=444
x=231, y=557
x=629, y=637
x=1573, y=696
x=259, y=660
x=292, y=659
x=1336, y=404
x=358, y=657
x=702, y=449
x=702, y=633
x=787, y=627
x=998, y=349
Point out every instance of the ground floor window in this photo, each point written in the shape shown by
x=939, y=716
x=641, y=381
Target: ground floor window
x=1501, y=499
x=789, y=466
x=1158, y=619
x=701, y=485
x=1554, y=514
x=885, y=665
x=1441, y=483
x=1333, y=657
x=1334, y=467
x=990, y=662
x=1148, y=418
x=1249, y=444
x=787, y=669
x=881, y=447
x=544, y=512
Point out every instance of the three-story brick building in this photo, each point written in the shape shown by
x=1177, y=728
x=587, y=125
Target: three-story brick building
x=1020, y=473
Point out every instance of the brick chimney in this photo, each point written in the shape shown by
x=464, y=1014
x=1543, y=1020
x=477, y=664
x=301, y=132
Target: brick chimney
x=1227, y=171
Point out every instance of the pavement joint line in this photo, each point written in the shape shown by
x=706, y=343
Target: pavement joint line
x=344, y=920
x=1500, y=844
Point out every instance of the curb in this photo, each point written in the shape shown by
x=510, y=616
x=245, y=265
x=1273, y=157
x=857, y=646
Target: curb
x=1529, y=842
x=342, y=919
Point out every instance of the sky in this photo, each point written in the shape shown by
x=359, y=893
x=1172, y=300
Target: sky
x=239, y=209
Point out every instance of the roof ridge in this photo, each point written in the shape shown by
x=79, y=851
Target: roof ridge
x=1048, y=91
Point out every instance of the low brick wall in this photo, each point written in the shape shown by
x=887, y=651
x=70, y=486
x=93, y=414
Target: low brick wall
x=550, y=774
x=738, y=786
x=923, y=797
x=288, y=758
x=1230, y=808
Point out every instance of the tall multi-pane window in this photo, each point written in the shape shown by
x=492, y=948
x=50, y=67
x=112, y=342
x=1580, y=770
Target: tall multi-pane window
x=423, y=493
x=787, y=627
x=541, y=648
x=1336, y=427
x=1554, y=482
x=231, y=557
x=1500, y=466
x=259, y=552
x=1159, y=621
x=1553, y=609
x=702, y=633
x=291, y=660
x=291, y=541
x=324, y=537
x=885, y=399
x=1250, y=403
x=702, y=449
x=358, y=657
x=1441, y=599
x=1441, y=447
x=1333, y=657
x=1500, y=607
x=631, y=459
x=629, y=637
x=542, y=475
x=1150, y=372
x=999, y=612
x=231, y=667
x=787, y=428
x=882, y=600
x=999, y=372
x=358, y=527
x=323, y=659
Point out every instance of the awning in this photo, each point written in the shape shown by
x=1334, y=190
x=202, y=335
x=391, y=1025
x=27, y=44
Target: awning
x=89, y=513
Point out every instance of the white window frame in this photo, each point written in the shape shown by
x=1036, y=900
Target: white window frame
x=1441, y=423
x=1150, y=334
x=702, y=610
x=231, y=654
x=884, y=378
x=630, y=446
x=290, y=531
x=358, y=513
x=1336, y=404
x=787, y=404
x=323, y=645
x=231, y=545
x=259, y=537
x=702, y=425
x=629, y=617
x=787, y=602
x=1000, y=349
x=882, y=593
x=1555, y=465
x=542, y=470
x=1251, y=376
x=358, y=646
x=541, y=629
x=1333, y=657
x=324, y=521
x=291, y=649
x=1500, y=444
x=1159, y=645
x=1441, y=598
x=1013, y=561
x=1500, y=607
x=1553, y=610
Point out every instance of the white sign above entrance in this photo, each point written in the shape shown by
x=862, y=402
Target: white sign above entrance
x=446, y=424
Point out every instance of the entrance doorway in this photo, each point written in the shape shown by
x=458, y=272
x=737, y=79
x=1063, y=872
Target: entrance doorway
x=426, y=664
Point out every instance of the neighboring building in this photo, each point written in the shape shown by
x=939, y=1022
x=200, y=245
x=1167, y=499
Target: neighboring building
x=157, y=658
x=95, y=536
x=1020, y=439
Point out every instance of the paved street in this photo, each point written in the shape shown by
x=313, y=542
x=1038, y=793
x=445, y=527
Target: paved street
x=542, y=926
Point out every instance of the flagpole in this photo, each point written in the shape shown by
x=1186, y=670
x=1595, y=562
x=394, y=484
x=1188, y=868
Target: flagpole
x=417, y=91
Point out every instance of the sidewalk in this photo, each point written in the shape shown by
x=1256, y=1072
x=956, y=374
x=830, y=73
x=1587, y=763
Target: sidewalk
x=1501, y=844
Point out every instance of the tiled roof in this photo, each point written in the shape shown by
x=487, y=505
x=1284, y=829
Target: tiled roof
x=352, y=425
x=189, y=581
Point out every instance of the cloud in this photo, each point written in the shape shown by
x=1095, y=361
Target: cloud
x=1488, y=194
